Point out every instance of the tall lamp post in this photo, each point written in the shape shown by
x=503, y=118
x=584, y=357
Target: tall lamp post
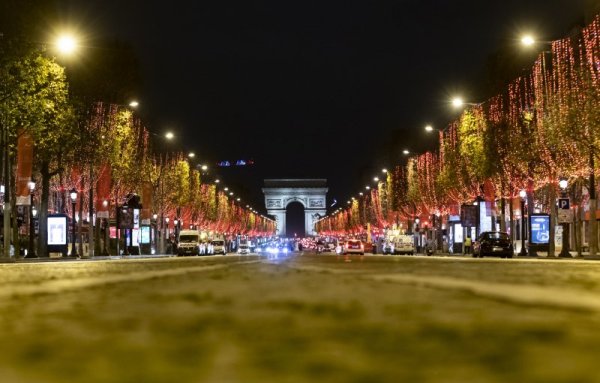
x=106, y=225
x=31, y=251
x=73, y=195
x=523, y=195
x=167, y=233
x=565, y=251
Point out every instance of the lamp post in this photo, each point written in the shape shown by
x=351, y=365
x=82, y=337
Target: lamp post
x=175, y=234
x=565, y=251
x=106, y=225
x=31, y=251
x=523, y=195
x=168, y=234
x=73, y=195
x=155, y=234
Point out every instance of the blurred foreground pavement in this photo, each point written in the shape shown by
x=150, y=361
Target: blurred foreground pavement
x=305, y=318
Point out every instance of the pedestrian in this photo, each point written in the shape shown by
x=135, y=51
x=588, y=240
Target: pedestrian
x=468, y=245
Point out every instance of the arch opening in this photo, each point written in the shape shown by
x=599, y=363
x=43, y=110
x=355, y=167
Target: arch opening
x=295, y=220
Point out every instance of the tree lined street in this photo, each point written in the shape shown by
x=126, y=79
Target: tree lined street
x=306, y=317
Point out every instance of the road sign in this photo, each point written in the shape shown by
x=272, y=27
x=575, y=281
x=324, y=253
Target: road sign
x=565, y=216
x=563, y=203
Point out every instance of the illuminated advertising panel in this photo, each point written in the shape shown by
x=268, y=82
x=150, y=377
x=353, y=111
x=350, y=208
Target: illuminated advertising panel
x=540, y=229
x=145, y=235
x=57, y=230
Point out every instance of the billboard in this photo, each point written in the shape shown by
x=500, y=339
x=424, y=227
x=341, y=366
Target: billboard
x=57, y=230
x=145, y=239
x=539, y=227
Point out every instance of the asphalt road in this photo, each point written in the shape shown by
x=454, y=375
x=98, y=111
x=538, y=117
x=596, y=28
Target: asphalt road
x=302, y=318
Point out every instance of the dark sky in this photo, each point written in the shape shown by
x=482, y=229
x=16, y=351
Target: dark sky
x=312, y=88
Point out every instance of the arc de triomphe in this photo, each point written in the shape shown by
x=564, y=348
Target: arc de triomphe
x=311, y=193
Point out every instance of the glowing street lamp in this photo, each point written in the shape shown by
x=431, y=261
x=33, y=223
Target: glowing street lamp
x=384, y=170
x=204, y=168
x=31, y=251
x=66, y=44
x=73, y=195
x=406, y=152
x=134, y=104
x=457, y=102
x=523, y=195
x=429, y=128
x=376, y=179
x=191, y=154
x=169, y=135
x=527, y=40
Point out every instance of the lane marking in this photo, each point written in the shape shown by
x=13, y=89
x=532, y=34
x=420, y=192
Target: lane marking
x=59, y=286
x=531, y=295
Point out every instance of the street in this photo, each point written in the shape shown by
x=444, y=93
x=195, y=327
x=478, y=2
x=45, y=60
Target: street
x=301, y=318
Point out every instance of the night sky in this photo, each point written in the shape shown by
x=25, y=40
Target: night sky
x=319, y=89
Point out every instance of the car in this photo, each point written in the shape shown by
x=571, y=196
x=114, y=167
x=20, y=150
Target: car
x=243, y=249
x=354, y=246
x=218, y=246
x=493, y=243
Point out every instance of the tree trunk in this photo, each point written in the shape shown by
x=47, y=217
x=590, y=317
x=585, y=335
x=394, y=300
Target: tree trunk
x=80, y=223
x=553, y=213
x=42, y=247
x=91, y=221
x=593, y=205
x=7, y=195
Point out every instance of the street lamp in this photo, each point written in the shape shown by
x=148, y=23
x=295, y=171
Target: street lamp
x=406, y=152
x=31, y=251
x=458, y=102
x=523, y=195
x=429, y=128
x=73, y=195
x=565, y=251
x=66, y=44
x=105, y=224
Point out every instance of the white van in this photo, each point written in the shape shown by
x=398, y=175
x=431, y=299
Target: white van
x=188, y=242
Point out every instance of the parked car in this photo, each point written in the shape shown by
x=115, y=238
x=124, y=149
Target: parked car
x=493, y=243
x=354, y=246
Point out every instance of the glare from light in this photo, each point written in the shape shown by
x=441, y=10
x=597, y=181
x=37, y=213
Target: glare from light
x=406, y=151
x=169, y=135
x=217, y=181
x=66, y=44
x=528, y=40
x=457, y=102
x=376, y=179
x=522, y=193
x=384, y=170
x=429, y=128
x=204, y=167
x=563, y=184
x=192, y=155
x=134, y=104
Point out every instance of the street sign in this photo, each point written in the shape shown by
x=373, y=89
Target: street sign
x=563, y=203
x=565, y=216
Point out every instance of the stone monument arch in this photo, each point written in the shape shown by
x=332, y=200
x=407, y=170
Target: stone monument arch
x=311, y=193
